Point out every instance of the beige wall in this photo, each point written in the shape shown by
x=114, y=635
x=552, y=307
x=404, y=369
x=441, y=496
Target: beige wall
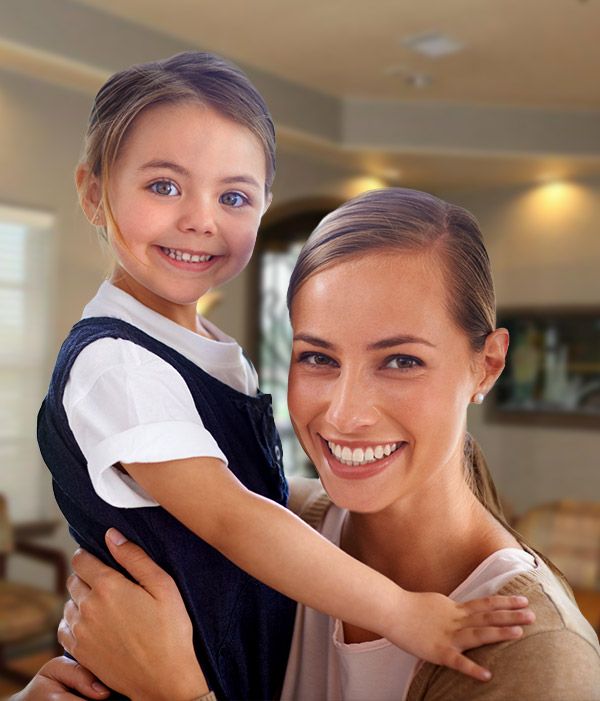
x=544, y=245
x=545, y=249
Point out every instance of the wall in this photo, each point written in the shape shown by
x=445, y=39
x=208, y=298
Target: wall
x=545, y=250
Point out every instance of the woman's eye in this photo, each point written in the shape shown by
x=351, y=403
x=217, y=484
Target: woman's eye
x=233, y=199
x=403, y=362
x=165, y=188
x=315, y=359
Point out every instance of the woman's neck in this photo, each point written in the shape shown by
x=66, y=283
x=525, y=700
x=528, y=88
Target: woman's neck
x=428, y=542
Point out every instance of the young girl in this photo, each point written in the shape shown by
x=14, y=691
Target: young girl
x=153, y=422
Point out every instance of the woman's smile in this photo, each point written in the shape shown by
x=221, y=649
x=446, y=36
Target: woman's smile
x=379, y=381
x=360, y=462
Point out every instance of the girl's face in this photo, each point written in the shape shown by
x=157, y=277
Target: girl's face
x=381, y=377
x=187, y=193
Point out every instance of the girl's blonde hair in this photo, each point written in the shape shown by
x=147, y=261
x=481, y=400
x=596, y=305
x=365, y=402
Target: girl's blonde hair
x=189, y=76
x=398, y=219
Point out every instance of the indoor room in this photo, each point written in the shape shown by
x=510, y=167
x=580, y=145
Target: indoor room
x=491, y=106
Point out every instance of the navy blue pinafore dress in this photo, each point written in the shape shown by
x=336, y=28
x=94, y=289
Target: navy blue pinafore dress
x=242, y=628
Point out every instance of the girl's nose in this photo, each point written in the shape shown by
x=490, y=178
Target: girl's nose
x=198, y=217
x=350, y=405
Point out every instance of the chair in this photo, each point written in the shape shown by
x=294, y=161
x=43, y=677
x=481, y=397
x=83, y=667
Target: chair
x=27, y=612
x=568, y=533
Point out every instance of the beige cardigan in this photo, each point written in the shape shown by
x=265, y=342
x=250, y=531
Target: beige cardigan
x=556, y=659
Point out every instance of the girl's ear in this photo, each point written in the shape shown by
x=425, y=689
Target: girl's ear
x=493, y=359
x=90, y=195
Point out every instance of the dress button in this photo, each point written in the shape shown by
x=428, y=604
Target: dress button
x=278, y=453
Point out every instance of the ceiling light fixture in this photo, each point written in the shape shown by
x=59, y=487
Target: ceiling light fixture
x=433, y=44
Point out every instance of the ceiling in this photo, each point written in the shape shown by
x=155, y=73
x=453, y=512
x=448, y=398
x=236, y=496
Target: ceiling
x=539, y=53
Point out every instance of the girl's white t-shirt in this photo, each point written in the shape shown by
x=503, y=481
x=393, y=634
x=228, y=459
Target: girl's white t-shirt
x=322, y=666
x=125, y=404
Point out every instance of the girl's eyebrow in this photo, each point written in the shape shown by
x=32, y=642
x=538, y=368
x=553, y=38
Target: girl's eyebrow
x=378, y=345
x=248, y=179
x=165, y=164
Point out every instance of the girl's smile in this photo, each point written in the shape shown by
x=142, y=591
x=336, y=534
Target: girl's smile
x=186, y=195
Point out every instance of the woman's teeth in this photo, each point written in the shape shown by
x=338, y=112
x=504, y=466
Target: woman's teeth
x=360, y=456
x=185, y=257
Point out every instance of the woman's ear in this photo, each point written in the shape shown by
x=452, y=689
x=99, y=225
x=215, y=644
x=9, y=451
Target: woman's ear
x=493, y=359
x=90, y=195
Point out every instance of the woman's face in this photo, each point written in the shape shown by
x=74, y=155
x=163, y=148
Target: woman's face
x=380, y=378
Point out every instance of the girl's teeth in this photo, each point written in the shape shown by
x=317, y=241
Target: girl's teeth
x=185, y=257
x=360, y=456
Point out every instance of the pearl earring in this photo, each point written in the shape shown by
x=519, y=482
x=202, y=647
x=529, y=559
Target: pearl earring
x=478, y=398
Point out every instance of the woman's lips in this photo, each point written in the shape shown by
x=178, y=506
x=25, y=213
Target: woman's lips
x=359, y=471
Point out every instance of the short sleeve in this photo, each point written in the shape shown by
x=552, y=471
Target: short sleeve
x=125, y=404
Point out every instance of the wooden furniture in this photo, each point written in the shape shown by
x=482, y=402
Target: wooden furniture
x=27, y=612
x=568, y=533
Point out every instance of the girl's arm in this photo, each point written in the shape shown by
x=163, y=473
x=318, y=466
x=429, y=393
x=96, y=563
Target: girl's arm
x=276, y=547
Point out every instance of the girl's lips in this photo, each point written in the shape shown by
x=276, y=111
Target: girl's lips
x=358, y=472
x=198, y=266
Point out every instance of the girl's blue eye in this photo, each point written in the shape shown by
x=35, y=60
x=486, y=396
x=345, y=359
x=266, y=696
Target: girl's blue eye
x=233, y=199
x=166, y=188
x=403, y=362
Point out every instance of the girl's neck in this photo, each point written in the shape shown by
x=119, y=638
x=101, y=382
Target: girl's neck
x=182, y=314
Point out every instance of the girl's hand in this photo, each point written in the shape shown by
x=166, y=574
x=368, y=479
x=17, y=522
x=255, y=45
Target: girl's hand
x=57, y=678
x=136, y=637
x=438, y=629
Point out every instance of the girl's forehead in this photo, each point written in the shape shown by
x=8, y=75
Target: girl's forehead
x=187, y=129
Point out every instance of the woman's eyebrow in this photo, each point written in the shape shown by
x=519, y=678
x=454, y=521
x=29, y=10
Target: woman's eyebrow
x=398, y=341
x=313, y=340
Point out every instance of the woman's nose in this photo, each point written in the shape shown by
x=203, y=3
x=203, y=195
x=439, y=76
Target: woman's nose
x=350, y=404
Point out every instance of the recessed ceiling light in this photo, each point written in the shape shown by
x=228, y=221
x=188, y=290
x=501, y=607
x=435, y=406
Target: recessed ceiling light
x=433, y=44
x=411, y=77
x=418, y=80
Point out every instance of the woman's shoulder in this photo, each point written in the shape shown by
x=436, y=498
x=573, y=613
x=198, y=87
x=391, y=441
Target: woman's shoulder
x=308, y=500
x=556, y=659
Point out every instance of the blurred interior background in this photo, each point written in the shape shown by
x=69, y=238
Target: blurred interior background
x=492, y=105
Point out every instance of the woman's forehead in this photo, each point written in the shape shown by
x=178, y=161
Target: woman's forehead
x=381, y=288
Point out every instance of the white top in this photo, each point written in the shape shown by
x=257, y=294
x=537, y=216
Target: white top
x=322, y=666
x=125, y=404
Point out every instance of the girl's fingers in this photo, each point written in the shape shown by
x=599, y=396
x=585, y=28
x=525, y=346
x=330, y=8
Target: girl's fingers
x=494, y=603
x=464, y=665
x=475, y=637
x=499, y=618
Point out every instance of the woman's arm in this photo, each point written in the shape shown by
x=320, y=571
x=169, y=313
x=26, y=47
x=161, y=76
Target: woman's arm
x=136, y=637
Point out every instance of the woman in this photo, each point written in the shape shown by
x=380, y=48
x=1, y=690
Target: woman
x=392, y=308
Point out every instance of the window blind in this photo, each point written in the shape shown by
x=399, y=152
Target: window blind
x=26, y=242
